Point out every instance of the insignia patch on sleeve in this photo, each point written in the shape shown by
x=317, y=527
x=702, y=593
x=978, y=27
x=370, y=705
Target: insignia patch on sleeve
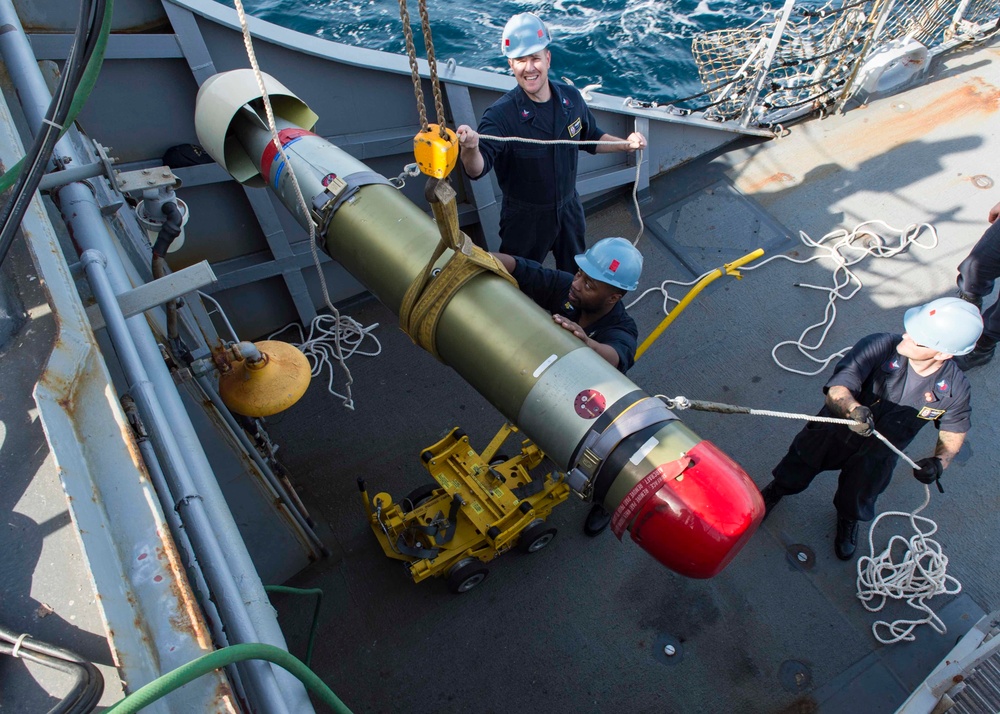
x=575, y=127
x=930, y=414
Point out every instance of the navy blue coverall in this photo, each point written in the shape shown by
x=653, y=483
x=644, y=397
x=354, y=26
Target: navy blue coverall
x=541, y=208
x=877, y=376
x=550, y=290
x=977, y=273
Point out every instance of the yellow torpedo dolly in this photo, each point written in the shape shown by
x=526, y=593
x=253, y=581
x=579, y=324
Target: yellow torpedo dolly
x=480, y=506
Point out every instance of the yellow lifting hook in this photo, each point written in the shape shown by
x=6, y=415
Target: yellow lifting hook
x=436, y=155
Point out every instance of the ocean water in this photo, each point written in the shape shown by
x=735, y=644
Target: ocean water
x=637, y=48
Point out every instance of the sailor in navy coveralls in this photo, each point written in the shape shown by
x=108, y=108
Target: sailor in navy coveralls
x=541, y=209
x=976, y=276
x=895, y=384
x=588, y=303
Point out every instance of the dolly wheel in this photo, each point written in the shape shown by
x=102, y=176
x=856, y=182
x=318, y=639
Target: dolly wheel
x=536, y=536
x=419, y=495
x=466, y=574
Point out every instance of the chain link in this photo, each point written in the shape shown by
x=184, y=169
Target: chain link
x=411, y=53
x=425, y=24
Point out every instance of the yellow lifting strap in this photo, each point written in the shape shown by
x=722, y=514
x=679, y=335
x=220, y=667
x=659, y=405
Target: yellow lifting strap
x=428, y=296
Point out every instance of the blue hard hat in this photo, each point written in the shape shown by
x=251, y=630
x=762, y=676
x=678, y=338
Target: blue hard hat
x=614, y=261
x=523, y=35
x=949, y=325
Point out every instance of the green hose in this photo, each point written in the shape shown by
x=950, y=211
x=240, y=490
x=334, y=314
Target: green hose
x=319, y=601
x=144, y=696
x=87, y=82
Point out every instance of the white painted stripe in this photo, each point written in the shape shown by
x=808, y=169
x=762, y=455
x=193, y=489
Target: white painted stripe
x=544, y=366
x=644, y=450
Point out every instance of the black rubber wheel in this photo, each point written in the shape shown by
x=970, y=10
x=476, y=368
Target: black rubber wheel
x=499, y=459
x=419, y=495
x=458, y=434
x=536, y=536
x=465, y=575
x=427, y=456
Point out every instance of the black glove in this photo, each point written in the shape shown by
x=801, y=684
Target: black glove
x=863, y=416
x=929, y=471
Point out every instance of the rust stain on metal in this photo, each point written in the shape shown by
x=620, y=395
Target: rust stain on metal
x=223, y=699
x=974, y=97
x=776, y=178
x=186, y=616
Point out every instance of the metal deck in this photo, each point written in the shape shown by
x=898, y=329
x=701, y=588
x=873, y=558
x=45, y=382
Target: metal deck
x=581, y=626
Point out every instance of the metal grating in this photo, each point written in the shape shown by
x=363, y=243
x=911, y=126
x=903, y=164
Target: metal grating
x=981, y=694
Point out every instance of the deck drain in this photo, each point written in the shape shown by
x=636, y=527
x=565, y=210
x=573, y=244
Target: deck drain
x=794, y=676
x=982, y=181
x=801, y=556
x=668, y=650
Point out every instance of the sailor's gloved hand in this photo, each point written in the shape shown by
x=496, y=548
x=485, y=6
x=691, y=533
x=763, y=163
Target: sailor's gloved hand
x=863, y=416
x=929, y=471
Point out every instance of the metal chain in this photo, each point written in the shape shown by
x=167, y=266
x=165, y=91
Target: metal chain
x=411, y=53
x=425, y=25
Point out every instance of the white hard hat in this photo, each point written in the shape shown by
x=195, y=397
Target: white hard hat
x=948, y=325
x=523, y=35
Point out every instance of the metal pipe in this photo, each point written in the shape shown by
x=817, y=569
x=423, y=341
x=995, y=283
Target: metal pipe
x=84, y=219
x=77, y=173
x=189, y=503
x=184, y=544
x=765, y=67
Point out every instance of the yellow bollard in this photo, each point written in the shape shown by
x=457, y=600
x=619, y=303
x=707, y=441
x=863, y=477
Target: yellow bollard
x=727, y=269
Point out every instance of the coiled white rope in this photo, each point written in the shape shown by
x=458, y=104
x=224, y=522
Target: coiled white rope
x=916, y=578
x=332, y=338
x=336, y=349
x=638, y=164
x=838, y=246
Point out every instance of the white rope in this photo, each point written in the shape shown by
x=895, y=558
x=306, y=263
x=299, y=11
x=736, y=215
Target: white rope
x=682, y=403
x=337, y=351
x=325, y=341
x=622, y=142
x=918, y=577
x=16, y=652
x=843, y=276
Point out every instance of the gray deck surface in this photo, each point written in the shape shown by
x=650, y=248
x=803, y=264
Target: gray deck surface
x=580, y=626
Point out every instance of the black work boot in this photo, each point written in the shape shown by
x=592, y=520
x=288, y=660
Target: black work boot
x=979, y=356
x=976, y=300
x=597, y=520
x=847, y=538
x=771, y=493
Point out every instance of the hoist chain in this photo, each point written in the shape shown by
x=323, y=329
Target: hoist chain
x=425, y=24
x=411, y=53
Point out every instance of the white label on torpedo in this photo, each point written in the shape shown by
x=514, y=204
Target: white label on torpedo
x=644, y=450
x=544, y=366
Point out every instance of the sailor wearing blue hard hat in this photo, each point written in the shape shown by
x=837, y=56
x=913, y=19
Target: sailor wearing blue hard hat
x=589, y=304
x=541, y=210
x=895, y=384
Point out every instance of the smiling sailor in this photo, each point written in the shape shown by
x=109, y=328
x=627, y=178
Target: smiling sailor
x=541, y=210
x=895, y=384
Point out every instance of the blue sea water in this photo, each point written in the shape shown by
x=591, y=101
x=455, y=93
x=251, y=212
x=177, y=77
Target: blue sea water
x=637, y=48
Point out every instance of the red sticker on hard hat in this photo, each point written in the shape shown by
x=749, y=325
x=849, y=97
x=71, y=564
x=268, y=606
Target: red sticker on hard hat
x=590, y=404
x=614, y=266
x=643, y=491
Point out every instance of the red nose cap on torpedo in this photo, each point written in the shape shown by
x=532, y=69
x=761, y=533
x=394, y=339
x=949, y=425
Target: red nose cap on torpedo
x=694, y=514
